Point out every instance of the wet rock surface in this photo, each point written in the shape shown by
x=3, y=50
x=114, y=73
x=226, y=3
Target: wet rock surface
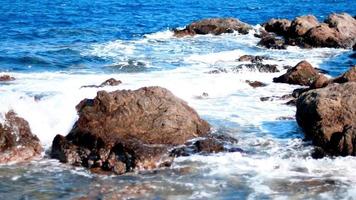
x=215, y=26
x=327, y=116
x=301, y=74
x=126, y=130
x=17, y=142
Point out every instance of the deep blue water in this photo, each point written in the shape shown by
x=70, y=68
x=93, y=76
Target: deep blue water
x=50, y=35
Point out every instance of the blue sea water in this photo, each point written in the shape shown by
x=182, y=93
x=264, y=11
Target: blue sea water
x=50, y=35
x=54, y=47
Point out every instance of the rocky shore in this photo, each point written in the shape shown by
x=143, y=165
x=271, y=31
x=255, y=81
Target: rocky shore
x=131, y=130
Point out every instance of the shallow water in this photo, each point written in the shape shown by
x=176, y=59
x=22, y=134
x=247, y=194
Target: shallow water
x=54, y=48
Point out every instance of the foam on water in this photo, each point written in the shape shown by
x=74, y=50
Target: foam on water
x=275, y=154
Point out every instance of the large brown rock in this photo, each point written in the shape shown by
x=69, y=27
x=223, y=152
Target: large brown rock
x=302, y=24
x=125, y=130
x=323, y=36
x=328, y=118
x=215, y=26
x=302, y=74
x=17, y=143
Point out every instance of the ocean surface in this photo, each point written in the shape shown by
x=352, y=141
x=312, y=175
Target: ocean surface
x=54, y=47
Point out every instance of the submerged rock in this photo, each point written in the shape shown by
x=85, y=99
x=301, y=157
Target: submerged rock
x=255, y=84
x=6, y=78
x=109, y=82
x=215, y=26
x=251, y=58
x=302, y=74
x=211, y=144
x=17, y=143
x=260, y=67
x=328, y=118
x=126, y=130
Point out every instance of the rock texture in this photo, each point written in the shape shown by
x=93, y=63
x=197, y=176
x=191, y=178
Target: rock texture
x=328, y=118
x=215, y=26
x=338, y=31
x=302, y=74
x=17, y=143
x=125, y=130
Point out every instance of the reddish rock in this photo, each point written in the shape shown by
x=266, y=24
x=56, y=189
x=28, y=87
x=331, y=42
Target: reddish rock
x=17, y=143
x=302, y=74
x=6, y=78
x=302, y=25
x=125, y=130
x=349, y=76
x=278, y=26
x=328, y=118
x=215, y=26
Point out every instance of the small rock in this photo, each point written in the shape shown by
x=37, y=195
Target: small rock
x=250, y=58
x=215, y=26
x=6, y=78
x=302, y=74
x=109, y=82
x=255, y=84
x=265, y=68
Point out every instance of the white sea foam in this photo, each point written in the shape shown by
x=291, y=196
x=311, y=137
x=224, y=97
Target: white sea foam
x=47, y=101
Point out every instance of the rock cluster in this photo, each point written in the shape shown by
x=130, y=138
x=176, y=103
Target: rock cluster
x=338, y=31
